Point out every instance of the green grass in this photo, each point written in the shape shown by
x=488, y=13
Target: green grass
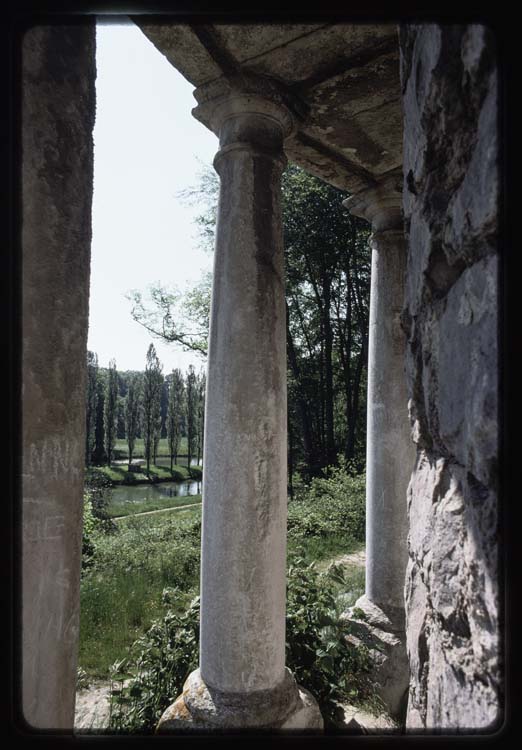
x=139, y=450
x=122, y=591
x=136, y=506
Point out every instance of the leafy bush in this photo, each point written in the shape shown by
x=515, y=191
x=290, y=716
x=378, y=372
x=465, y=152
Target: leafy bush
x=316, y=651
x=99, y=488
x=163, y=659
x=327, y=506
x=88, y=534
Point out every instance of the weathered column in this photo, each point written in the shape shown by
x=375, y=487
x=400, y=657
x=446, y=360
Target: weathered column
x=242, y=681
x=58, y=105
x=390, y=451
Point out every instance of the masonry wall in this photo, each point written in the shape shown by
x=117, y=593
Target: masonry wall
x=451, y=180
x=58, y=107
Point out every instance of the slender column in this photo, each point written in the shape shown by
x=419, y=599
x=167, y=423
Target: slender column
x=390, y=450
x=242, y=680
x=390, y=454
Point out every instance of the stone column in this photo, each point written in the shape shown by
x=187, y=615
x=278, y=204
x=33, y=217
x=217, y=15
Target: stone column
x=242, y=681
x=390, y=451
x=58, y=106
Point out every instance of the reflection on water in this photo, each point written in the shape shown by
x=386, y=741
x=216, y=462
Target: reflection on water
x=143, y=492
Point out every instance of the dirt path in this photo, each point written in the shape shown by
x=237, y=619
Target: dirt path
x=92, y=707
x=357, y=559
x=353, y=558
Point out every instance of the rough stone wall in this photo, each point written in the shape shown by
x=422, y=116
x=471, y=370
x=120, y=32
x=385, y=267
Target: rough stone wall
x=58, y=107
x=449, y=82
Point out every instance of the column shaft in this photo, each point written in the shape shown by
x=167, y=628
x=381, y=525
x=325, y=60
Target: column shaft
x=242, y=681
x=389, y=459
x=244, y=487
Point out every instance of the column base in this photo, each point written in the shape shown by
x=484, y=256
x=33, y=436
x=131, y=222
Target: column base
x=383, y=633
x=201, y=708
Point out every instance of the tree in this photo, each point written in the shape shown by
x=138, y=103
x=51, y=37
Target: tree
x=176, y=405
x=91, y=405
x=152, y=382
x=172, y=316
x=110, y=414
x=327, y=297
x=192, y=396
x=132, y=412
x=98, y=454
x=327, y=289
x=200, y=414
x=156, y=420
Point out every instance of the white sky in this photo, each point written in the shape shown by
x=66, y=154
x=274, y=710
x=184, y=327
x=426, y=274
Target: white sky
x=147, y=148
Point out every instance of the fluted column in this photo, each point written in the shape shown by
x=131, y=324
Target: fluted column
x=242, y=681
x=390, y=450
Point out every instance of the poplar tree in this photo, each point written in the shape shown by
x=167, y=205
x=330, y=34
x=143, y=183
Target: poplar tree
x=151, y=407
x=91, y=405
x=175, y=413
x=200, y=415
x=132, y=413
x=110, y=413
x=192, y=394
x=156, y=421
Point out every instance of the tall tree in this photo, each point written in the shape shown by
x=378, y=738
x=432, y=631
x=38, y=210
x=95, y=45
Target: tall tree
x=192, y=397
x=175, y=409
x=98, y=454
x=156, y=421
x=110, y=414
x=132, y=412
x=91, y=405
x=200, y=415
x=152, y=382
x=327, y=295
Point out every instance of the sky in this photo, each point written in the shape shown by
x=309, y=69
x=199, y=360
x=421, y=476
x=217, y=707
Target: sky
x=147, y=149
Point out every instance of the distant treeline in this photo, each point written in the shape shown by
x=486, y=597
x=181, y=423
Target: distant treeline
x=147, y=405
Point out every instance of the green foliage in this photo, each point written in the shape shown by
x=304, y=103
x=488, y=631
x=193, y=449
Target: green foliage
x=174, y=316
x=132, y=412
x=110, y=413
x=175, y=411
x=151, y=404
x=89, y=528
x=161, y=662
x=317, y=651
x=329, y=505
x=98, y=488
x=91, y=405
x=121, y=593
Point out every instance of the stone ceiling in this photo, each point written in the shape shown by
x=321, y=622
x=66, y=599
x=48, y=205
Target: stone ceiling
x=345, y=76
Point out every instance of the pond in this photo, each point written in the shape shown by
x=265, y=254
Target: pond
x=148, y=492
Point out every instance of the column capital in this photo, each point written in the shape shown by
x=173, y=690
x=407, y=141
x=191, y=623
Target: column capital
x=247, y=96
x=381, y=205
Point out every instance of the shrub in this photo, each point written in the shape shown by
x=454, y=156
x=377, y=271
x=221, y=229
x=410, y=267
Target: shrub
x=163, y=659
x=332, y=505
x=316, y=650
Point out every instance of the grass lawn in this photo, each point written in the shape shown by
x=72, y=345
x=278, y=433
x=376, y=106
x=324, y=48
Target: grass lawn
x=163, y=448
x=130, y=508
